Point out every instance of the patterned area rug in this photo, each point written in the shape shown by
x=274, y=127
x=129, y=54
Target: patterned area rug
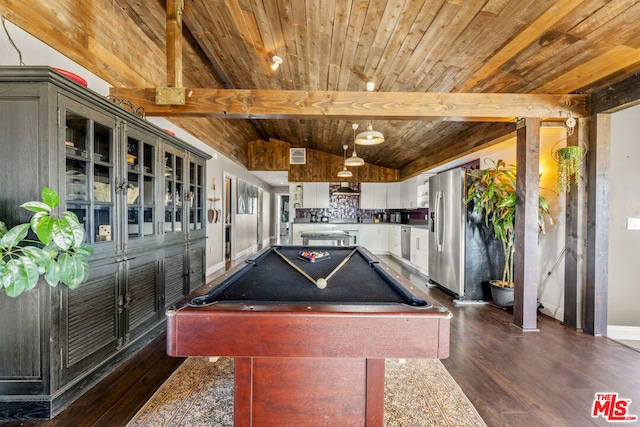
x=418, y=393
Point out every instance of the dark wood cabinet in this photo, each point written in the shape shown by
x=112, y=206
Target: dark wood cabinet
x=140, y=194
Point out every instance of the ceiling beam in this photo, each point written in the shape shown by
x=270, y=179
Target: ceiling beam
x=173, y=93
x=443, y=151
x=174, y=42
x=292, y=104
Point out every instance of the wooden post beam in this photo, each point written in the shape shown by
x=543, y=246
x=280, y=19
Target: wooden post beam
x=292, y=104
x=574, y=237
x=597, y=257
x=526, y=226
x=174, y=92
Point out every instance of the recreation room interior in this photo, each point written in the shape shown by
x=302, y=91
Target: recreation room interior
x=267, y=124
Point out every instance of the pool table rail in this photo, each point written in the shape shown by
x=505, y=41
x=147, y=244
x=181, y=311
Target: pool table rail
x=210, y=331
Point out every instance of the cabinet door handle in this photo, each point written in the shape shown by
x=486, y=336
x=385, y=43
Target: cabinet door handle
x=417, y=243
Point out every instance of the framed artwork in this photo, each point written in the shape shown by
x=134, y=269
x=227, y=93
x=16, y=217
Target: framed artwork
x=242, y=197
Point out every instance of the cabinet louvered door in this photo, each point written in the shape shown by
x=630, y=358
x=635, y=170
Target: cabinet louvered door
x=174, y=272
x=140, y=306
x=92, y=324
x=196, y=266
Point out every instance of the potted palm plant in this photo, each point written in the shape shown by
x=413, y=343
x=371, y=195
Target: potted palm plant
x=51, y=245
x=493, y=193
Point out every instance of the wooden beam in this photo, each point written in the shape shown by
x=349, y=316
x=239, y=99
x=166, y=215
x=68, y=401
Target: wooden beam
x=526, y=225
x=597, y=258
x=287, y=104
x=448, y=149
x=615, y=97
x=575, y=218
x=173, y=93
x=174, y=42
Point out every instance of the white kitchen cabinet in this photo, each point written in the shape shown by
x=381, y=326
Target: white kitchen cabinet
x=420, y=249
x=373, y=195
x=394, y=196
x=395, y=234
x=408, y=193
x=375, y=237
x=402, y=194
x=315, y=195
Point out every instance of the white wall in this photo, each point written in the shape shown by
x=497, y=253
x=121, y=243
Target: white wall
x=624, y=245
x=34, y=52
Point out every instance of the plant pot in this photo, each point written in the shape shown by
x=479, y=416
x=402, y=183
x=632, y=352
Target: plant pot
x=501, y=296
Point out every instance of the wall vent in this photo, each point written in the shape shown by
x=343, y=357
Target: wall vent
x=297, y=156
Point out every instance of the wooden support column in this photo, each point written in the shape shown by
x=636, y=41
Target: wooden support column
x=174, y=42
x=526, y=226
x=574, y=236
x=597, y=258
x=174, y=93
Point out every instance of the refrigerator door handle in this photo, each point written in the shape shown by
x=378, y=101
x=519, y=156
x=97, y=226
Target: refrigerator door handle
x=440, y=221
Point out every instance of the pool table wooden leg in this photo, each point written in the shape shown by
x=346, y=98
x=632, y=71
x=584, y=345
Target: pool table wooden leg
x=309, y=391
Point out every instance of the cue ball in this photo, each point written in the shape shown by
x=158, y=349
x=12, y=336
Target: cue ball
x=321, y=283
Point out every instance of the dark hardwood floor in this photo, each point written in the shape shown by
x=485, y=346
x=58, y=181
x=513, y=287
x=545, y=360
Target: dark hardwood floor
x=546, y=378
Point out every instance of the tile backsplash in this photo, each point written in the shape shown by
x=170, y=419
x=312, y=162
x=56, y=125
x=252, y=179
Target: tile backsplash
x=348, y=207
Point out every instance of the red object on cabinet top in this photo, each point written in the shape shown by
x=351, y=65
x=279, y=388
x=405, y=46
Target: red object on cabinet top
x=76, y=78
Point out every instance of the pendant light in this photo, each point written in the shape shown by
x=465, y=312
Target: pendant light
x=345, y=173
x=370, y=136
x=354, y=160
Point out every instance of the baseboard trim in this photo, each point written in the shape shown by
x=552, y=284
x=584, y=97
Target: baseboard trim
x=251, y=249
x=213, y=270
x=552, y=310
x=623, y=332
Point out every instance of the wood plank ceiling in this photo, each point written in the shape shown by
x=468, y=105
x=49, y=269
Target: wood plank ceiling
x=517, y=46
x=463, y=46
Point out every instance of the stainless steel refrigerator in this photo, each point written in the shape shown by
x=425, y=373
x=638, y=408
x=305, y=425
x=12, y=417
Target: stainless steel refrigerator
x=463, y=253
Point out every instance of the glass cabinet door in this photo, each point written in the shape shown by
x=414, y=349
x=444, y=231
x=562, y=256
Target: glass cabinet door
x=140, y=185
x=89, y=171
x=196, y=195
x=173, y=192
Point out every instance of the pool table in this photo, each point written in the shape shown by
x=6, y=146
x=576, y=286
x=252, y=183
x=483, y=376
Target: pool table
x=305, y=355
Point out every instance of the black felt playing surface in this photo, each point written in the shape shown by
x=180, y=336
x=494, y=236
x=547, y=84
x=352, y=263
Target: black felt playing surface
x=271, y=279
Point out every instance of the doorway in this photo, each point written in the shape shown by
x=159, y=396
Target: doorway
x=282, y=221
x=259, y=214
x=228, y=201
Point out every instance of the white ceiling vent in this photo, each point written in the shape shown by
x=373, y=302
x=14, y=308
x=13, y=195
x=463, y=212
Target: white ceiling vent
x=297, y=156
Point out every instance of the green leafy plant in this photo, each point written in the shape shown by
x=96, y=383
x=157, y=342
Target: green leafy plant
x=55, y=249
x=569, y=160
x=493, y=192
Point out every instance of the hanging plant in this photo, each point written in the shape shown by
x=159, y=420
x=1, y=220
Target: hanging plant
x=569, y=164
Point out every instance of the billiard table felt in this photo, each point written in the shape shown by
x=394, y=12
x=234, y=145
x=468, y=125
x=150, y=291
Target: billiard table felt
x=269, y=279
